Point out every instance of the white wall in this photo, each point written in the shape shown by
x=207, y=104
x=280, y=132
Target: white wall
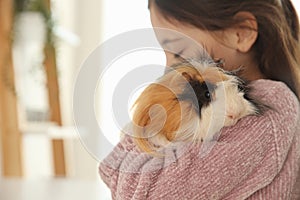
x=297, y=5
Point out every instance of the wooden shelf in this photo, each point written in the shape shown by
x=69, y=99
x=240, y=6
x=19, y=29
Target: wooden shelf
x=9, y=127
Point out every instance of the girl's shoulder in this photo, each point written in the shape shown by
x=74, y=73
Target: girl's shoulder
x=275, y=94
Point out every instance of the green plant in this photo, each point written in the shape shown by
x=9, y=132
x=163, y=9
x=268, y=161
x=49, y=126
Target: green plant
x=37, y=6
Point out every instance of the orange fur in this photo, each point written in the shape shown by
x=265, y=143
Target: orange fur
x=152, y=95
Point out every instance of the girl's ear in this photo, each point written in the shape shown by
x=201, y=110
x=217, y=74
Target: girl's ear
x=243, y=35
x=246, y=31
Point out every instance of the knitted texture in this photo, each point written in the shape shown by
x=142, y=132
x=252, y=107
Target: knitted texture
x=258, y=158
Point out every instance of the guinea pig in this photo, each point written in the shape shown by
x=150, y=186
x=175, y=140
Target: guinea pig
x=192, y=101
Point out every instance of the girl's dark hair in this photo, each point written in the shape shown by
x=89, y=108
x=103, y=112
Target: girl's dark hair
x=277, y=47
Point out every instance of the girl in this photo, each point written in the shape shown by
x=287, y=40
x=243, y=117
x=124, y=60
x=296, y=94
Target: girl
x=259, y=157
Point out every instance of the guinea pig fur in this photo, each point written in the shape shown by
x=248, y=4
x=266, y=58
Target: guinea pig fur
x=191, y=102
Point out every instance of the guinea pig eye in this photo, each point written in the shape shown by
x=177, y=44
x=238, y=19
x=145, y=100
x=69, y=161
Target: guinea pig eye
x=207, y=95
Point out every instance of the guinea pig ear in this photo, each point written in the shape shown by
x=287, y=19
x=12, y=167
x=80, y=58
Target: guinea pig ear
x=187, y=76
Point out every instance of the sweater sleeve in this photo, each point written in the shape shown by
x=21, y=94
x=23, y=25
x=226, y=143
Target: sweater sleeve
x=246, y=158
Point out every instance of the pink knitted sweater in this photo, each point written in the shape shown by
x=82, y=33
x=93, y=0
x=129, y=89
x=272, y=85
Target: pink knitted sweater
x=258, y=158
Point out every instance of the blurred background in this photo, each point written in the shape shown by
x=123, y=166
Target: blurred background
x=42, y=46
